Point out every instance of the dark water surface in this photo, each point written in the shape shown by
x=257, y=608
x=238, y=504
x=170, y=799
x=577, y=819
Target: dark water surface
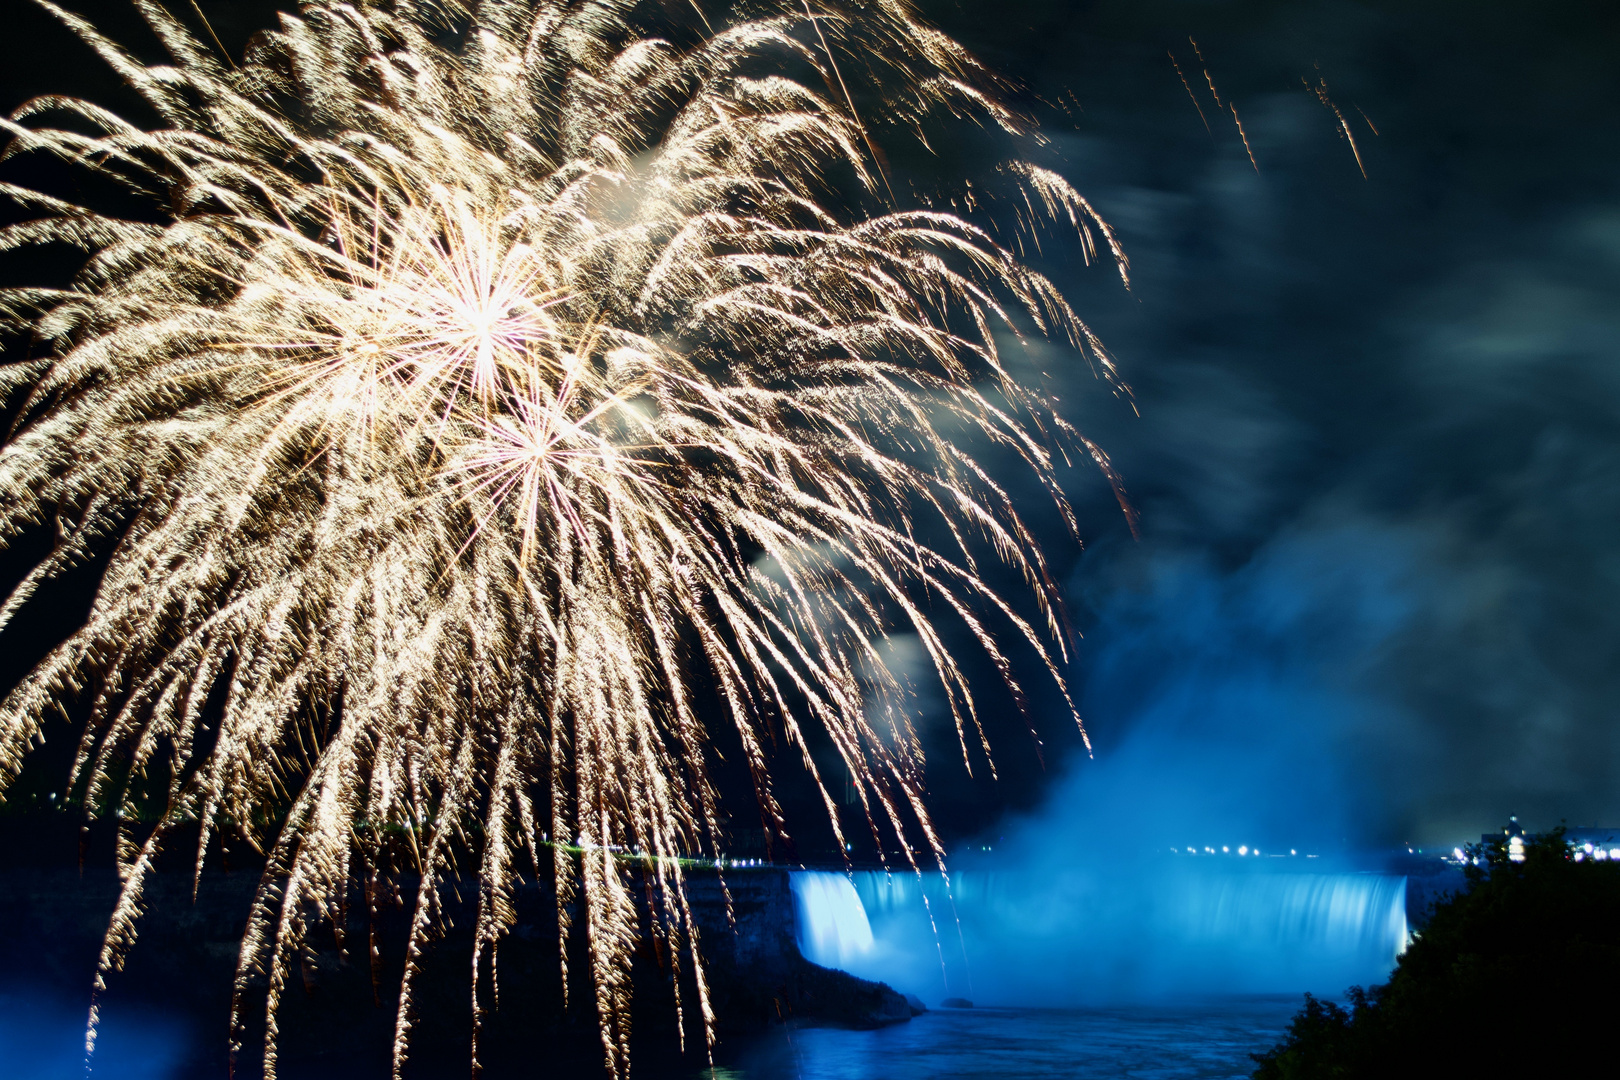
x=1202, y=1040
x=43, y=1039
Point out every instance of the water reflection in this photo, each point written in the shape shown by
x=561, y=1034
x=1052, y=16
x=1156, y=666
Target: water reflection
x=1188, y=1040
x=42, y=1038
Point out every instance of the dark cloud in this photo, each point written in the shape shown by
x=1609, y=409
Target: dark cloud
x=1377, y=594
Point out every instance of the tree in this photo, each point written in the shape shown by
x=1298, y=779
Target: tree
x=1519, y=975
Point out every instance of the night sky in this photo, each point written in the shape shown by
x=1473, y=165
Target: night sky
x=1378, y=459
x=1375, y=436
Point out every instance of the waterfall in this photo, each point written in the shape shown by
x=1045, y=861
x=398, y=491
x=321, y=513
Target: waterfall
x=1309, y=913
x=1107, y=933
x=832, y=927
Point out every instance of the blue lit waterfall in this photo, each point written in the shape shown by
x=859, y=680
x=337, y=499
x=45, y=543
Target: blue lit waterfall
x=833, y=930
x=1119, y=932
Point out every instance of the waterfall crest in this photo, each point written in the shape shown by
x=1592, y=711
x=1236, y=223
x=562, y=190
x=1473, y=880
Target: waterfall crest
x=833, y=930
x=1095, y=935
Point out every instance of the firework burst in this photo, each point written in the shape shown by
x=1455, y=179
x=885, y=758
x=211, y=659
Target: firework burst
x=490, y=370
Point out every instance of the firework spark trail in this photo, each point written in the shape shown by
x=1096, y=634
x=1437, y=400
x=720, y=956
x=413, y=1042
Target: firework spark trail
x=1228, y=104
x=1243, y=135
x=1216, y=94
x=471, y=397
x=1190, y=94
x=1321, y=92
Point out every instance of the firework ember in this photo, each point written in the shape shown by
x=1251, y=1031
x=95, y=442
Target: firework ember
x=484, y=372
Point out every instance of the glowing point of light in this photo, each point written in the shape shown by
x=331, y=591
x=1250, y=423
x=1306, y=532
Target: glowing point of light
x=1226, y=849
x=1243, y=849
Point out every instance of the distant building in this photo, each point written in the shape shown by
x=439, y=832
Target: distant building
x=1509, y=832
x=1513, y=833
x=1595, y=842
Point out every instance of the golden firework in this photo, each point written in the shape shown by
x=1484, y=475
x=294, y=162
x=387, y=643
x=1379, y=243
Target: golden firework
x=492, y=368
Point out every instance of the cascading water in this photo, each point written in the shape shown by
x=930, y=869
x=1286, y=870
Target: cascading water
x=1108, y=933
x=832, y=927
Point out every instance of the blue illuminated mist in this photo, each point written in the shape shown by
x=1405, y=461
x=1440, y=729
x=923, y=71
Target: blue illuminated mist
x=1233, y=702
x=1235, y=696
x=42, y=1038
x=1244, y=706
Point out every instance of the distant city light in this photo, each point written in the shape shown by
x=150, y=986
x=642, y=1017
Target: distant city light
x=1291, y=851
x=1226, y=849
x=1243, y=849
